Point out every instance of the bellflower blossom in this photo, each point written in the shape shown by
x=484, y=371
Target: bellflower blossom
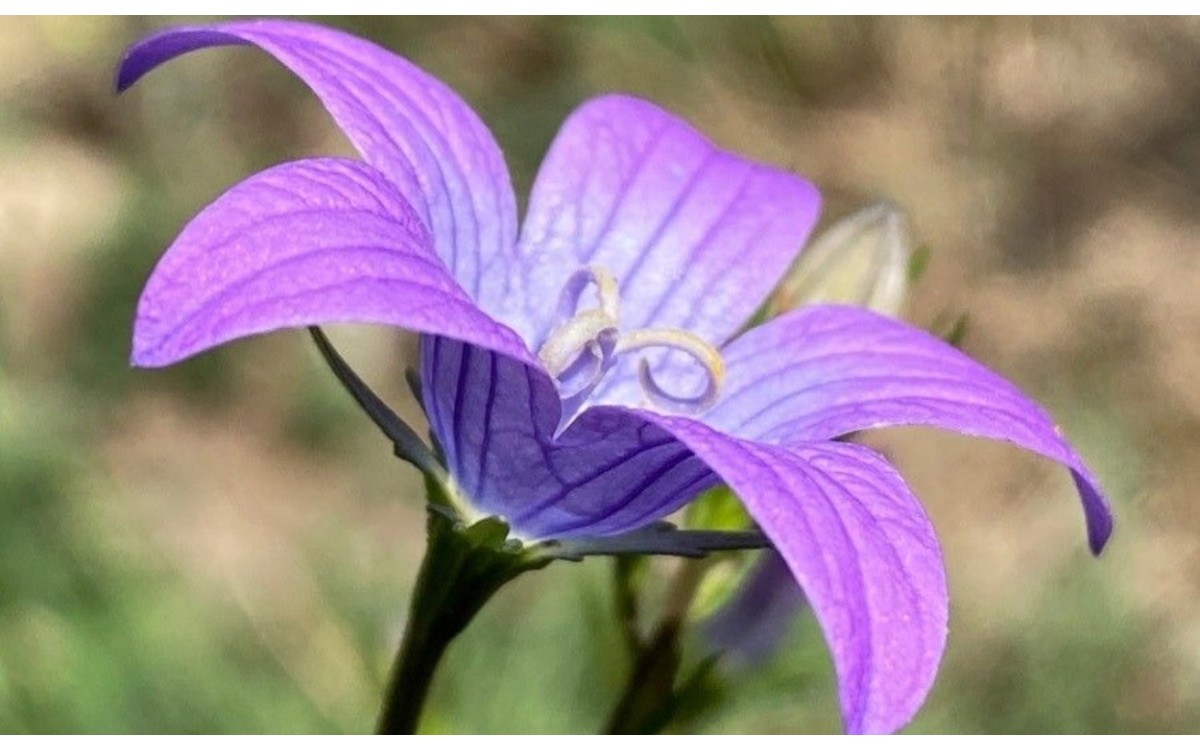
x=580, y=372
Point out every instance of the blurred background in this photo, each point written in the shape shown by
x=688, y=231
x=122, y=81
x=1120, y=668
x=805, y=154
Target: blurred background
x=227, y=545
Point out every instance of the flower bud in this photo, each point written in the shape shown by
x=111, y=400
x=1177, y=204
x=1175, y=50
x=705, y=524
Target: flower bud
x=862, y=260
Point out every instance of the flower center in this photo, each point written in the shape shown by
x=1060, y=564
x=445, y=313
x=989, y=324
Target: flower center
x=582, y=348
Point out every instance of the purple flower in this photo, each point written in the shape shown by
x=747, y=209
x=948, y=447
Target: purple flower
x=579, y=374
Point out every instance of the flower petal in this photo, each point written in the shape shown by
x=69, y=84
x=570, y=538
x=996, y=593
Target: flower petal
x=850, y=531
x=404, y=122
x=697, y=237
x=495, y=420
x=827, y=371
x=864, y=552
x=309, y=242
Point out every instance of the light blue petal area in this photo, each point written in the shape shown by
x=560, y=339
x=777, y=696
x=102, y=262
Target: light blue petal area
x=411, y=127
x=309, y=242
x=495, y=420
x=827, y=371
x=861, y=547
x=695, y=236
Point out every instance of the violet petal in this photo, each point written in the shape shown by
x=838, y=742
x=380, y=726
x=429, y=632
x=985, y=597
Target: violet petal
x=697, y=237
x=864, y=552
x=407, y=124
x=853, y=535
x=495, y=421
x=823, y=372
x=309, y=242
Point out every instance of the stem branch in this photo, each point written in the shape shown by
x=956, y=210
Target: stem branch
x=649, y=700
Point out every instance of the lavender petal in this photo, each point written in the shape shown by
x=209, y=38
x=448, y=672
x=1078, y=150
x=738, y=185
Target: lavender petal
x=852, y=534
x=495, y=420
x=305, y=243
x=697, y=237
x=861, y=547
x=826, y=371
x=405, y=123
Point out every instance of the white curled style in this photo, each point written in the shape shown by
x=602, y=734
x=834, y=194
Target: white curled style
x=589, y=333
x=705, y=354
x=582, y=348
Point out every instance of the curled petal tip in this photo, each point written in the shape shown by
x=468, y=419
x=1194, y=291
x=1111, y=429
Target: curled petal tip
x=1097, y=511
x=145, y=55
x=858, y=370
x=1099, y=534
x=119, y=80
x=127, y=72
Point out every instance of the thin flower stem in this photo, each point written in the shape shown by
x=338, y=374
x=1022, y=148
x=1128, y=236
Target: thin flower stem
x=462, y=569
x=425, y=637
x=649, y=699
x=420, y=652
x=624, y=569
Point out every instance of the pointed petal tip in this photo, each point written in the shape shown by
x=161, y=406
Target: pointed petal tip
x=146, y=363
x=1097, y=511
x=143, y=56
x=1100, y=529
x=128, y=73
x=128, y=70
x=135, y=63
x=122, y=80
x=149, y=357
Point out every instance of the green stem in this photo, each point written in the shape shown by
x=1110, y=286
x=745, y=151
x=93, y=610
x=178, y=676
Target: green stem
x=646, y=705
x=462, y=569
x=650, y=699
x=420, y=652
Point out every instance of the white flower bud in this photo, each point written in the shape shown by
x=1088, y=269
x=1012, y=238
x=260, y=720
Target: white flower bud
x=862, y=260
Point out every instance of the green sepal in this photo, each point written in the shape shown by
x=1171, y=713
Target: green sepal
x=952, y=330
x=918, y=263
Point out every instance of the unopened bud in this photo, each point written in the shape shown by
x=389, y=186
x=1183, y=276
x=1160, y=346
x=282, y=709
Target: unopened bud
x=862, y=260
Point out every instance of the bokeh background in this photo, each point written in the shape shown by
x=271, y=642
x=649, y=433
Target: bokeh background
x=227, y=545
